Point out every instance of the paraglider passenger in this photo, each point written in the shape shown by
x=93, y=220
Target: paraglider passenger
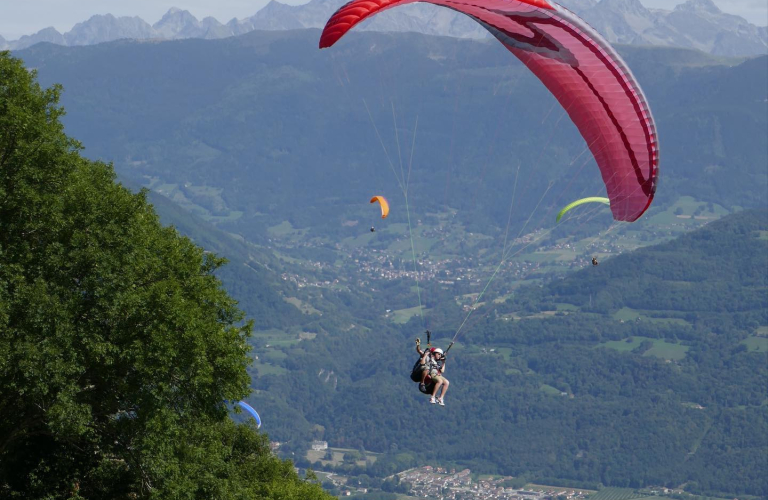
x=594, y=261
x=434, y=361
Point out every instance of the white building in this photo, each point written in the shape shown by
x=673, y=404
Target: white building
x=319, y=445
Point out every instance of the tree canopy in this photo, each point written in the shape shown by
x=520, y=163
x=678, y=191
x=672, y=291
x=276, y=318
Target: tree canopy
x=118, y=345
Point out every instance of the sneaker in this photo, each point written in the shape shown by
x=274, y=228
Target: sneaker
x=440, y=401
x=432, y=400
x=422, y=387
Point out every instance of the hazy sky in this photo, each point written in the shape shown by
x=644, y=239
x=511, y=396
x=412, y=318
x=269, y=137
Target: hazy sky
x=25, y=17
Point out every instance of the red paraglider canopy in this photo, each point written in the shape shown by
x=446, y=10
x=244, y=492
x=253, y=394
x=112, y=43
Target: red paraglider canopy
x=583, y=72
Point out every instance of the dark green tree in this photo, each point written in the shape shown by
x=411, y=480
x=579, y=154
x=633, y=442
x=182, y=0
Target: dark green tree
x=118, y=345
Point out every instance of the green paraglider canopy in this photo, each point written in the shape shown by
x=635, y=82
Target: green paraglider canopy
x=593, y=199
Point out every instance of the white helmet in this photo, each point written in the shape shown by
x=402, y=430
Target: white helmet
x=437, y=350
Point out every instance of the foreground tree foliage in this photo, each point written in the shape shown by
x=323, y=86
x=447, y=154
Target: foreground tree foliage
x=118, y=346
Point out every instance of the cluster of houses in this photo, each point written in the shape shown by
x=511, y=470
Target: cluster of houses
x=441, y=484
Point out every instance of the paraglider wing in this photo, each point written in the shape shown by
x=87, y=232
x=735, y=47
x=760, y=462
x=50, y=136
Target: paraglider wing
x=593, y=199
x=245, y=406
x=384, y=205
x=583, y=72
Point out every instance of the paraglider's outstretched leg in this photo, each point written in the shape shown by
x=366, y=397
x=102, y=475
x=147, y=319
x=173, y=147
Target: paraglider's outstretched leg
x=433, y=397
x=444, y=385
x=438, y=384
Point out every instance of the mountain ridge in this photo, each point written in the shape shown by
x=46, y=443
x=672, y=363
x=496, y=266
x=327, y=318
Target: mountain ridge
x=696, y=24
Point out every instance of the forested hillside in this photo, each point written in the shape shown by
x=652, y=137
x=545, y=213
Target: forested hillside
x=648, y=369
x=250, y=274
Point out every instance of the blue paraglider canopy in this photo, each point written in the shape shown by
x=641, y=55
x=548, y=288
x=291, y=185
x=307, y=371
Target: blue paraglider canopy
x=245, y=406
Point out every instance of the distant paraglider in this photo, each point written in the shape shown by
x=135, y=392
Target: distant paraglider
x=248, y=408
x=593, y=199
x=384, y=204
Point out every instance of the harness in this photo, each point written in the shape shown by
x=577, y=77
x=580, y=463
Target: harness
x=433, y=367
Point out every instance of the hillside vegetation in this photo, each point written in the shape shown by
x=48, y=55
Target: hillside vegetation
x=645, y=370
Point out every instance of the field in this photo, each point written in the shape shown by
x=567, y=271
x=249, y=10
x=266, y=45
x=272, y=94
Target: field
x=285, y=229
x=566, y=255
x=660, y=348
x=504, y=351
x=268, y=369
x=273, y=337
x=268, y=359
x=628, y=314
x=681, y=213
x=534, y=486
x=302, y=306
x=665, y=350
x=420, y=245
x=562, y=306
x=402, y=316
x=361, y=240
x=548, y=389
x=338, y=456
x=759, y=344
x=199, y=200
x=615, y=494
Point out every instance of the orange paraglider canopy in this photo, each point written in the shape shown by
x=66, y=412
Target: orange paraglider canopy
x=384, y=205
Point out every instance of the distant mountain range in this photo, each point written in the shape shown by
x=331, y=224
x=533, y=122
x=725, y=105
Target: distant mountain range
x=695, y=24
